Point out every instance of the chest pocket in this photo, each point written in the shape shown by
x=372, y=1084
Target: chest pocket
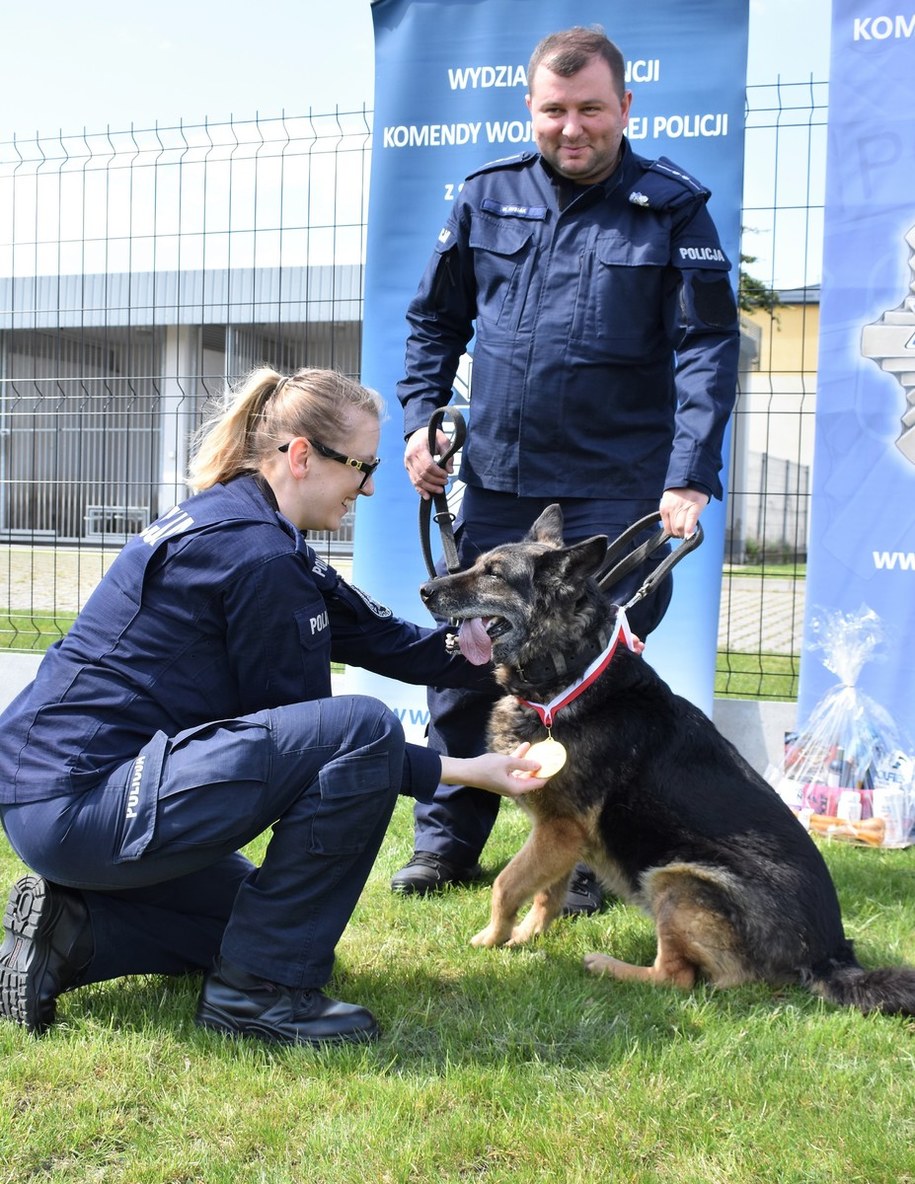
x=626, y=297
x=615, y=250
x=503, y=256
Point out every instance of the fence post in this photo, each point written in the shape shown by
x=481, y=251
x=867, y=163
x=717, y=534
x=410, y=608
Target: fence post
x=176, y=410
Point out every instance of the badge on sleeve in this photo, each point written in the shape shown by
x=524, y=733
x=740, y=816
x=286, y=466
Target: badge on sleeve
x=373, y=606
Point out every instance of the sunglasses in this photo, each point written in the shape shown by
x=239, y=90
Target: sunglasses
x=365, y=467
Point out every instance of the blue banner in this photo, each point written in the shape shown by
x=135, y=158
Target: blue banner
x=450, y=86
x=862, y=537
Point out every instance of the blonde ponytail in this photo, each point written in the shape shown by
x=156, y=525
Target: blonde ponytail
x=265, y=410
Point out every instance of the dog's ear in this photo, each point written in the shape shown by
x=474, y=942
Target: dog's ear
x=574, y=564
x=586, y=557
x=548, y=527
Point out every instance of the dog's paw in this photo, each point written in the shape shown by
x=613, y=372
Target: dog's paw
x=486, y=938
x=522, y=934
x=600, y=964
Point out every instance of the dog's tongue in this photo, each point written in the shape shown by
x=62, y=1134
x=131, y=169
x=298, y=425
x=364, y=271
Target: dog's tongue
x=474, y=643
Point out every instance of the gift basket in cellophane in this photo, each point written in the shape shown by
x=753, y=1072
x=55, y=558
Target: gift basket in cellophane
x=848, y=772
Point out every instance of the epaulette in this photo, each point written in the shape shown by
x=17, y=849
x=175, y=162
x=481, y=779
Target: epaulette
x=665, y=186
x=504, y=162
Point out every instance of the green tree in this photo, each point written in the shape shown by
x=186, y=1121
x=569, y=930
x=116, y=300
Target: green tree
x=753, y=293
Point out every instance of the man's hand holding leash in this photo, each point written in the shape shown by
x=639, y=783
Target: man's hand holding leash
x=426, y=474
x=680, y=510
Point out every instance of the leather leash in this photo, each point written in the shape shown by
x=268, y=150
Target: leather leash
x=443, y=515
x=616, y=563
x=613, y=574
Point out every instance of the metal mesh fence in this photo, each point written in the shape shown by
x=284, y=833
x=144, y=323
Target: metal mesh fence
x=762, y=601
x=142, y=271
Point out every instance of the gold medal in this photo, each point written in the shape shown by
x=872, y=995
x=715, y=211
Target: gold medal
x=551, y=755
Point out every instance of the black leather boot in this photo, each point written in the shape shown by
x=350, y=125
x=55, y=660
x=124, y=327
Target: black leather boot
x=241, y=1004
x=427, y=873
x=585, y=893
x=47, y=944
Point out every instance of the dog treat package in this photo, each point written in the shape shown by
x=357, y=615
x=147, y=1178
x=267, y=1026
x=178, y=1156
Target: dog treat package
x=848, y=773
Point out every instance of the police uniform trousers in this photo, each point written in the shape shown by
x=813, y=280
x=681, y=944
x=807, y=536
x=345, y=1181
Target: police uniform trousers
x=458, y=821
x=157, y=855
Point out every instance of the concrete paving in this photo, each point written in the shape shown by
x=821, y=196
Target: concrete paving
x=761, y=615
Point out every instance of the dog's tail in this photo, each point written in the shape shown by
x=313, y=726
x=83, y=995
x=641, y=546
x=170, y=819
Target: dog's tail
x=890, y=989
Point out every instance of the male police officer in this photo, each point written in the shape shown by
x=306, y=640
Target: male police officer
x=604, y=369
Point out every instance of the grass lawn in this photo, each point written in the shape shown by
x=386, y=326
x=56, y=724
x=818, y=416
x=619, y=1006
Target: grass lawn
x=756, y=676
x=32, y=633
x=788, y=571
x=494, y=1066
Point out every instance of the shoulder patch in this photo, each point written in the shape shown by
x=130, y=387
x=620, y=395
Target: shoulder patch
x=379, y=610
x=176, y=521
x=318, y=566
x=700, y=255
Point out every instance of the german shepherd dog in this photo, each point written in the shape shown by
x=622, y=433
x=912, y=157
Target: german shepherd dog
x=652, y=796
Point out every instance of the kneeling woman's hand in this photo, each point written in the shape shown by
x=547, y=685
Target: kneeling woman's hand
x=511, y=776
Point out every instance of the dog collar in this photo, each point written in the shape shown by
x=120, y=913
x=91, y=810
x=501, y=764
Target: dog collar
x=547, y=711
x=550, y=667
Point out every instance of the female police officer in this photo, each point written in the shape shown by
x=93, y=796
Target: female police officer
x=189, y=709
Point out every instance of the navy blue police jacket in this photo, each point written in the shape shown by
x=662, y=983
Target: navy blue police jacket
x=606, y=335
x=217, y=610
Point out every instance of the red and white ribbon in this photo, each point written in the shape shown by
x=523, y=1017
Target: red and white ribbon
x=546, y=711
